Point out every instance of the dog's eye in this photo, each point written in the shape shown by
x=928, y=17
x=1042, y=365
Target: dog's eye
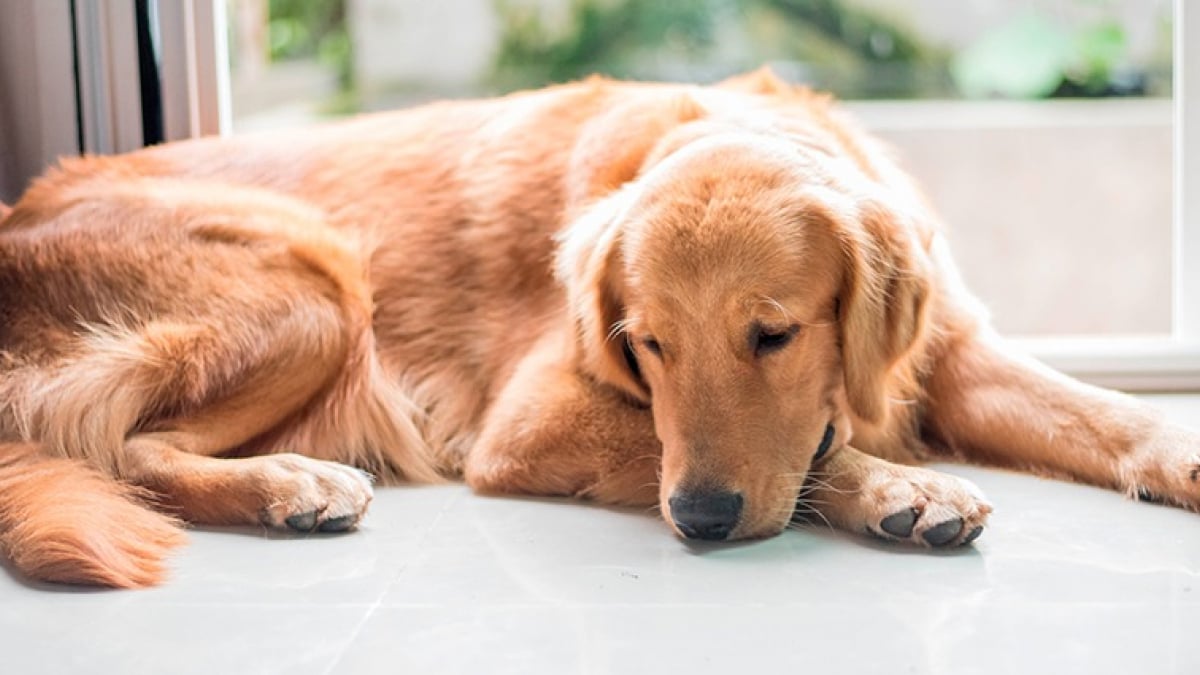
x=652, y=346
x=826, y=441
x=765, y=340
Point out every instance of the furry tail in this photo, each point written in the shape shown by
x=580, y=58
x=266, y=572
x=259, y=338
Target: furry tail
x=62, y=521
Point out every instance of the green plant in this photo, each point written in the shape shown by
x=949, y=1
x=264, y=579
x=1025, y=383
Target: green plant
x=301, y=29
x=1034, y=56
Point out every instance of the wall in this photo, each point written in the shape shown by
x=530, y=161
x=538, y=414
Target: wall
x=37, y=97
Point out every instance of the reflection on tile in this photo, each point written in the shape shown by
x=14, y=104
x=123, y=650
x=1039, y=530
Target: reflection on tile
x=1067, y=579
x=247, y=566
x=253, y=566
x=958, y=636
x=123, y=636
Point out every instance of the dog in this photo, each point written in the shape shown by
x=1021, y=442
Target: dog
x=726, y=301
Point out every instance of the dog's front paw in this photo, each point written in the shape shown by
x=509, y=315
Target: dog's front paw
x=924, y=507
x=300, y=493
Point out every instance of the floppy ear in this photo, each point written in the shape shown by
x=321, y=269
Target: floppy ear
x=882, y=306
x=605, y=163
x=589, y=265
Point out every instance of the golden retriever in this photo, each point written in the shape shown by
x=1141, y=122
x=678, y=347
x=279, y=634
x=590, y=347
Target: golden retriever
x=727, y=301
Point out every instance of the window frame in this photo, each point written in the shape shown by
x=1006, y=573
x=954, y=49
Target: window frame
x=196, y=93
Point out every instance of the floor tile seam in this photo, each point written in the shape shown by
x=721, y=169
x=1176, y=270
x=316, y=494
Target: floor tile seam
x=374, y=607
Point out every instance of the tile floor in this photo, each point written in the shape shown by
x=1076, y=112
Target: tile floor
x=1068, y=579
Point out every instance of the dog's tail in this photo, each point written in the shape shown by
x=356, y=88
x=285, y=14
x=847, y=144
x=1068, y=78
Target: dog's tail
x=62, y=521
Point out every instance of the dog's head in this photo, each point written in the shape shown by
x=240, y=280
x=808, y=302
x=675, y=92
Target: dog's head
x=757, y=306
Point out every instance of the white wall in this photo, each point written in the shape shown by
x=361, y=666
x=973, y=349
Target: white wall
x=445, y=45
x=1058, y=213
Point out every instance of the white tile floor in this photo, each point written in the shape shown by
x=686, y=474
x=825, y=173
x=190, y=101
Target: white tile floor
x=1067, y=579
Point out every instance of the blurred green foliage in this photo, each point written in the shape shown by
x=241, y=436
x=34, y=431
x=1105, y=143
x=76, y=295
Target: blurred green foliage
x=306, y=29
x=838, y=45
x=849, y=48
x=611, y=37
x=1023, y=58
x=1034, y=56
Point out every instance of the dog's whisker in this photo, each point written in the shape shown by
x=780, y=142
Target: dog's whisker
x=833, y=489
x=645, y=457
x=800, y=526
x=825, y=475
x=804, y=508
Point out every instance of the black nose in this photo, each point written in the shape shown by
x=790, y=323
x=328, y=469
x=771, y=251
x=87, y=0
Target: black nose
x=705, y=514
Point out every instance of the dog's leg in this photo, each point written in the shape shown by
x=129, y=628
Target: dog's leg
x=555, y=432
x=174, y=457
x=276, y=409
x=282, y=490
x=64, y=519
x=854, y=491
x=989, y=405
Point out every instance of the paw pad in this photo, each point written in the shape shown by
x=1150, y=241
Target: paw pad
x=900, y=524
x=943, y=533
x=304, y=522
x=339, y=524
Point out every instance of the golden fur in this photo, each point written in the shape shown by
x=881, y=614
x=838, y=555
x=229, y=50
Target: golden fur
x=630, y=293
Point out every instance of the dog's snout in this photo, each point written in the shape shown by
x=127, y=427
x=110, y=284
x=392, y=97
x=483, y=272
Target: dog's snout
x=705, y=514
